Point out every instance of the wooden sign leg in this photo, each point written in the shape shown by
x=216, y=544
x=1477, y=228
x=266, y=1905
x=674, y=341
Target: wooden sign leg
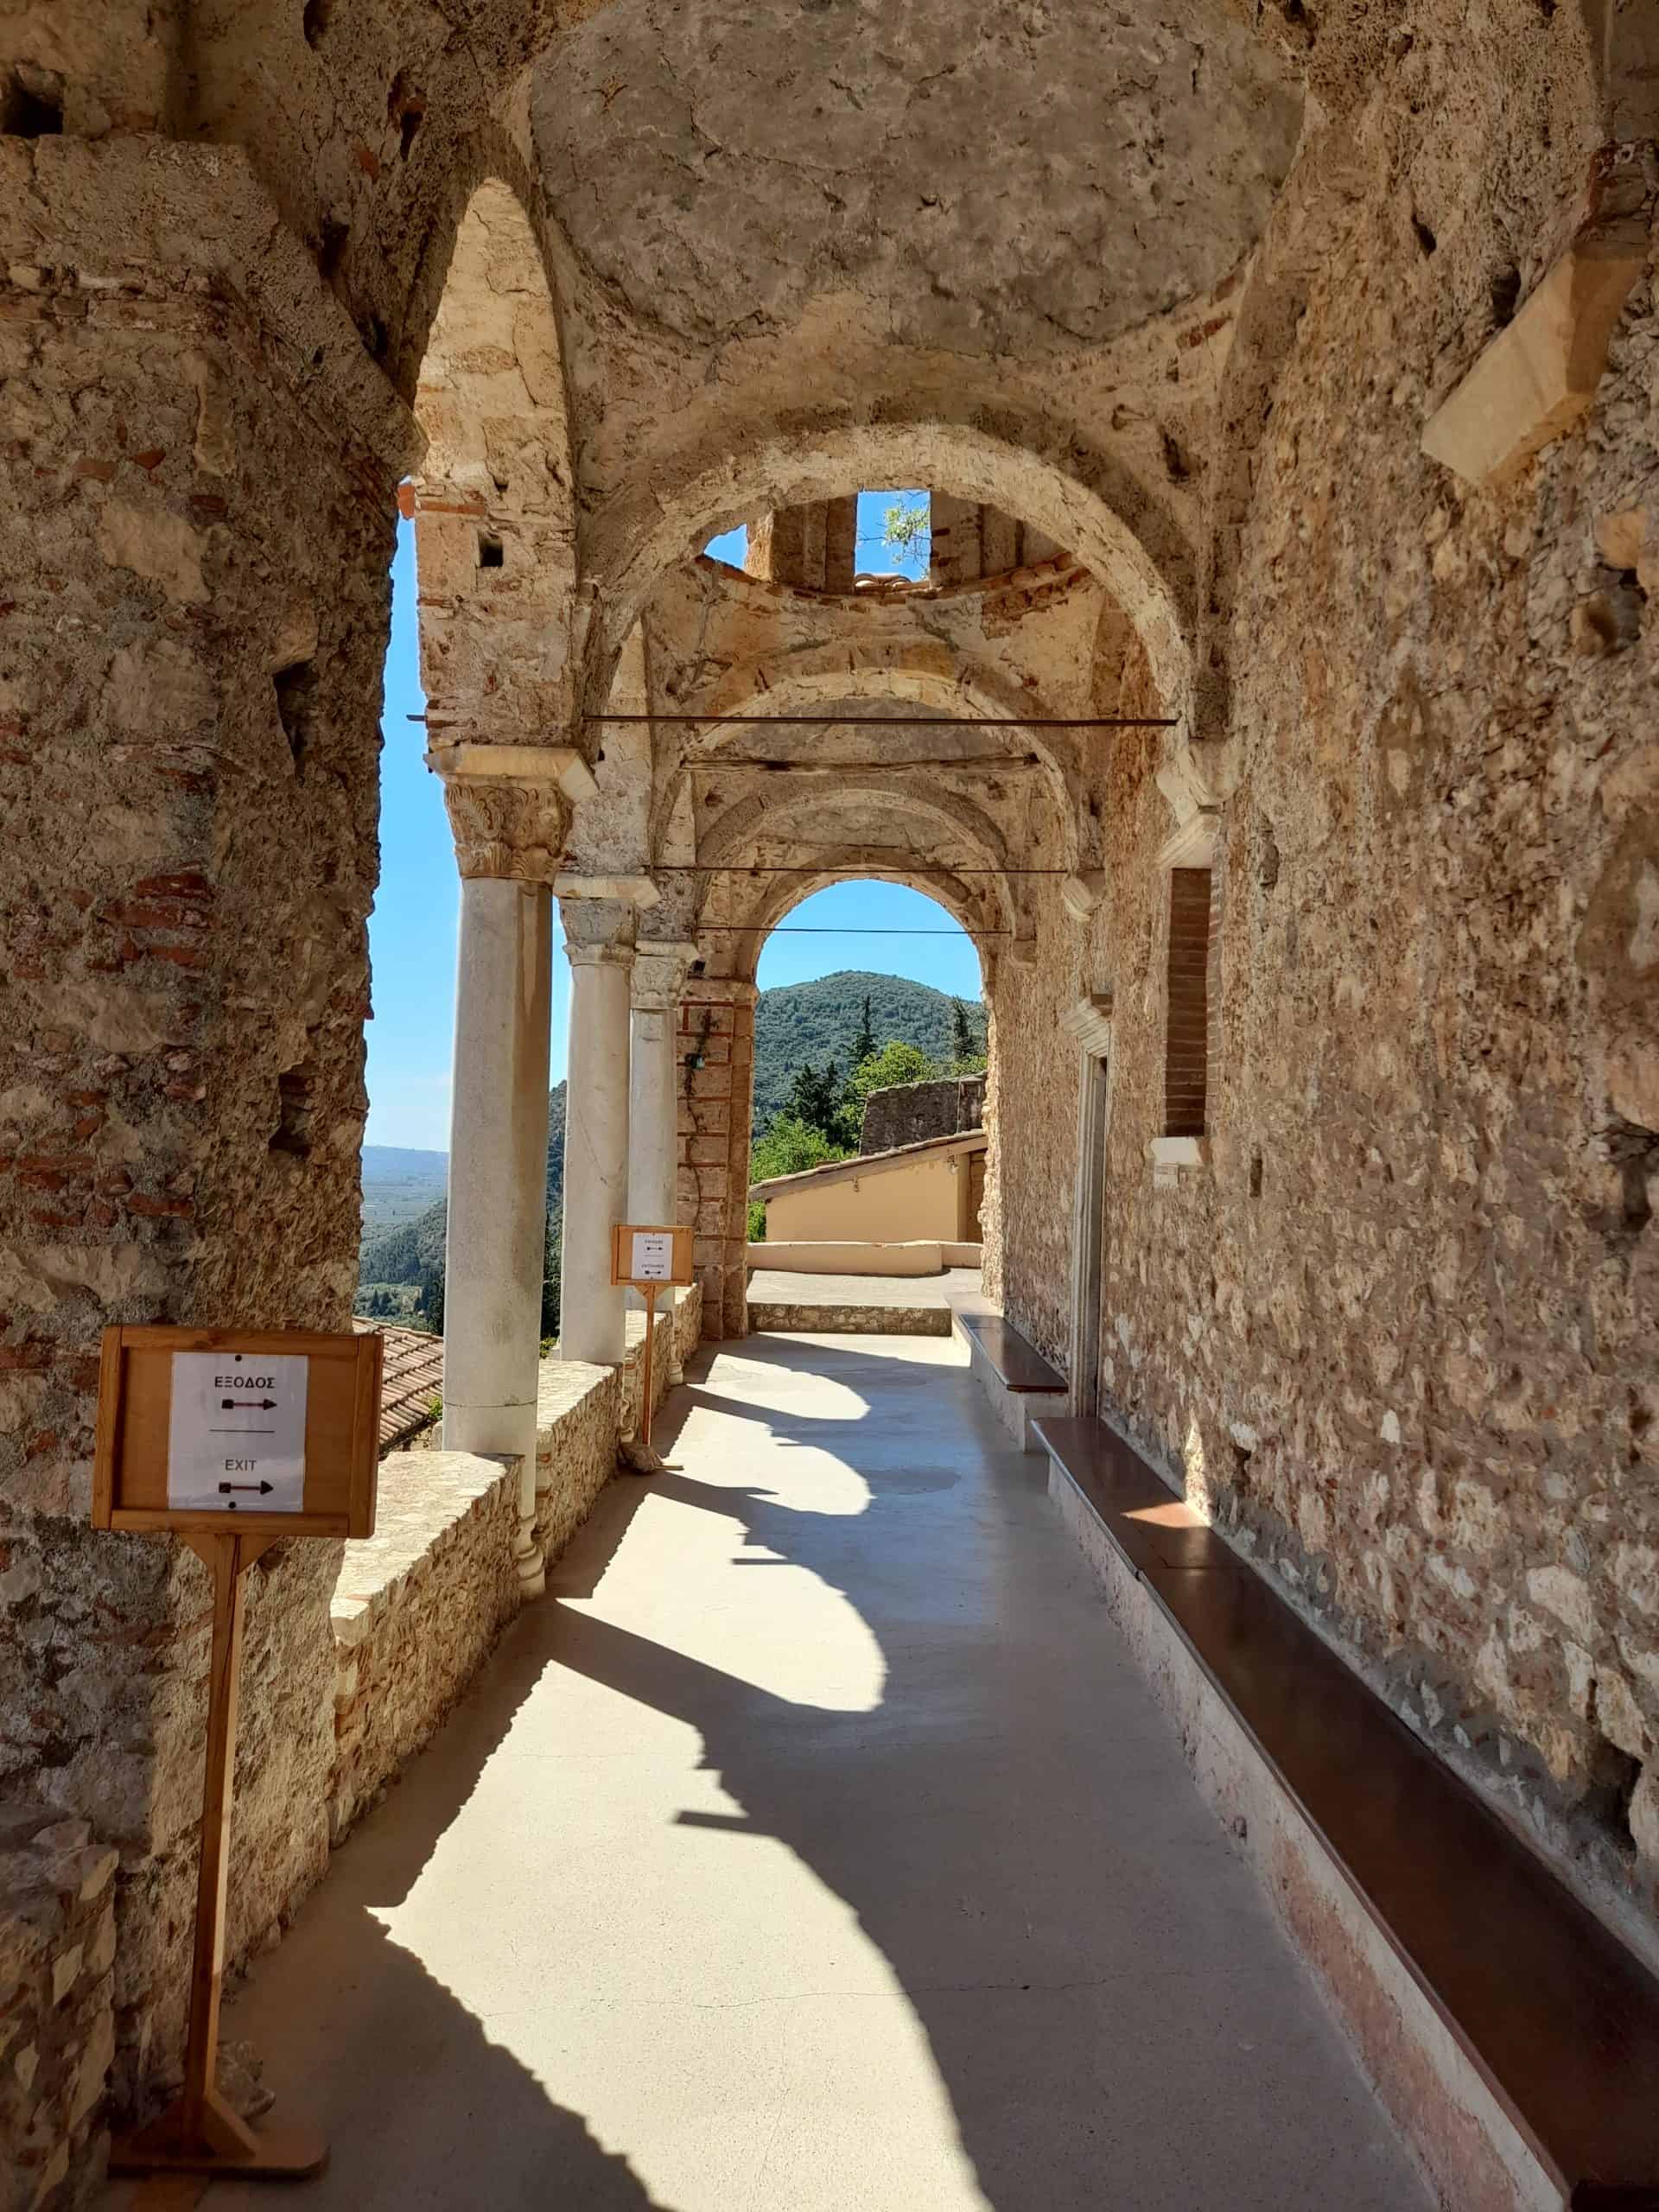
x=199, y=2132
x=651, y=1345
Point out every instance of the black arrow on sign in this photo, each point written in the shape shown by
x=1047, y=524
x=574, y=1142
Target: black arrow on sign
x=261, y=1487
x=252, y=1405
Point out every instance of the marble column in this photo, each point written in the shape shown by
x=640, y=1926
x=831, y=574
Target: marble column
x=600, y=941
x=659, y=971
x=498, y=1184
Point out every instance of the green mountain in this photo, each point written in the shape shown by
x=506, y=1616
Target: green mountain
x=803, y=1022
x=821, y=1020
x=414, y=1248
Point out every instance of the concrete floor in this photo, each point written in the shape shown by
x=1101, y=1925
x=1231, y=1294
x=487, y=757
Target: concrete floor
x=813, y=1845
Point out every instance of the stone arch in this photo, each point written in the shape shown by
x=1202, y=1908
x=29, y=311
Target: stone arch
x=738, y=953
x=1082, y=498
x=751, y=817
x=494, y=498
x=927, y=673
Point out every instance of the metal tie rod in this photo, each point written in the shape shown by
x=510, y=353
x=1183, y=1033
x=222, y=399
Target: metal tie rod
x=908, y=721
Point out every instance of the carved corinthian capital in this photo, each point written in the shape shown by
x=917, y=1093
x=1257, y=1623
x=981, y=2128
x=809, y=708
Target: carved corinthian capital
x=506, y=828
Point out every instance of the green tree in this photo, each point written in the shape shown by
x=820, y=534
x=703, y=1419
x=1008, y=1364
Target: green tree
x=432, y=1297
x=815, y=1098
x=907, y=525
x=789, y=1148
x=966, y=1046
x=896, y=1062
x=866, y=1041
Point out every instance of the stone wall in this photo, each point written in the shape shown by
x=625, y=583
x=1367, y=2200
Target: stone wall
x=189, y=690
x=909, y=1113
x=1393, y=1327
x=57, y=2007
x=416, y=1610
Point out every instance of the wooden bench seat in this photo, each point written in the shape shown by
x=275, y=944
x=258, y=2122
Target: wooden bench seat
x=1014, y=1359
x=1557, y=2016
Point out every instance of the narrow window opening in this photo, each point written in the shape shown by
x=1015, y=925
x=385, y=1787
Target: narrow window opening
x=296, y=703
x=294, y=1106
x=731, y=546
x=491, y=552
x=1186, y=1041
x=336, y=237
x=31, y=103
x=895, y=536
x=406, y=108
x=1256, y=1174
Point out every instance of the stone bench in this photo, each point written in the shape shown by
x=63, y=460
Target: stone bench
x=1514, y=2038
x=1020, y=1382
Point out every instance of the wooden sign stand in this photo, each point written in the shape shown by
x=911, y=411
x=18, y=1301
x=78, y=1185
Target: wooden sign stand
x=199, y=2132
x=668, y=1251
x=135, y=1475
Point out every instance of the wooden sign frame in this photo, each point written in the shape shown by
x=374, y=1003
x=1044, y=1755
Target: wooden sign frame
x=680, y=1272
x=680, y=1261
x=135, y=1396
x=337, y=1455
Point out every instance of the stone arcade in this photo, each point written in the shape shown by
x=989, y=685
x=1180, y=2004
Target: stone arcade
x=1286, y=382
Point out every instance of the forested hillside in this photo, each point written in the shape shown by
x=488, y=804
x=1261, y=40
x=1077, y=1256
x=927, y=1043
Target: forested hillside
x=414, y=1249
x=820, y=1022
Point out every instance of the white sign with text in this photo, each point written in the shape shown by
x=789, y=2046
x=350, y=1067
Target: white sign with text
x=653, y=1255
x=236, y=1436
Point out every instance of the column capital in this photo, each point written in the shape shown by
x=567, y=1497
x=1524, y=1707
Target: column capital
x=659, y=972
x=506, y=828
x=598, y=930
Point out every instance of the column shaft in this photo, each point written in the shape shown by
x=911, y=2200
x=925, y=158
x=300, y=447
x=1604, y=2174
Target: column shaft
x=498, y=1174
x=591, y=1323
x=654, y=1119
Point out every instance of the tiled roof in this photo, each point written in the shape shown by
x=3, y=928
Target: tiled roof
x=412, y=1378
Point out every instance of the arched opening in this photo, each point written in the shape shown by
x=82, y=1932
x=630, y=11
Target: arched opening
x=867, y=1110
x=1085, y=503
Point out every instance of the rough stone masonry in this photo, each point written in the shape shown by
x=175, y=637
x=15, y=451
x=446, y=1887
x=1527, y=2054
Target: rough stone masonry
x=1292, y=374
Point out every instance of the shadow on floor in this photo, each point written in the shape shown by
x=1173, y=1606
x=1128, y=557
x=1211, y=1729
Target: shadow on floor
x=1098, y=1978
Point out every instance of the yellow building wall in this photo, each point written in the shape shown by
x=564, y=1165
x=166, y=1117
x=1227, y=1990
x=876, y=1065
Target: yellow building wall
x=922, y=1198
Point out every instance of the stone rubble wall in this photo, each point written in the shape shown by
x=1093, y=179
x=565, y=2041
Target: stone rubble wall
x=416, y=1610
x=57, y=2007
x=909, y=1113
x=189, y=791
x=1396, y=1329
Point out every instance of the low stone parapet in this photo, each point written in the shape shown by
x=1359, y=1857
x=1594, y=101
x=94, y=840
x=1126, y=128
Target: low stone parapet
x=584, y=1410
x=416, y=1610
x=57, y=2007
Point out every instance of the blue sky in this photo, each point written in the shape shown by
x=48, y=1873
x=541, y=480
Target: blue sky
x=412, y=929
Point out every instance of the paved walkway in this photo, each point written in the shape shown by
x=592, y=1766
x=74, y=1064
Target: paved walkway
x=816, y=1845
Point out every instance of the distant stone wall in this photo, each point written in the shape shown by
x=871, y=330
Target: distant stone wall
x=910, y=1113
x=57, y=2006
